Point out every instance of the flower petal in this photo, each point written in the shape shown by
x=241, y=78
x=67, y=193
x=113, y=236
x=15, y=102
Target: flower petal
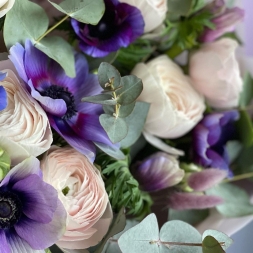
x=5, y=247
x=40, y=199
x=3, y=98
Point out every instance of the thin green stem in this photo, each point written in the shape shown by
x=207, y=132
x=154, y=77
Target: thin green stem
x=238, y=177
x=51, y=29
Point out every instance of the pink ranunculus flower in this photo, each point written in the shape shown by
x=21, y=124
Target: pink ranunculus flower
x=23, y=121
x=215, y=73
x=81, y=190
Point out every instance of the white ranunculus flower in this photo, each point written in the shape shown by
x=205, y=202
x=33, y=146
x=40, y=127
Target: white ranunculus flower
x=5, y=6
x=153, y=12
x=23, y=120
x=175, y=106
x=215, y=73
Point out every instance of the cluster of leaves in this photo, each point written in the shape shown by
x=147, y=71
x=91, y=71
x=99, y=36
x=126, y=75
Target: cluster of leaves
x=124, y=118
x=122, y=188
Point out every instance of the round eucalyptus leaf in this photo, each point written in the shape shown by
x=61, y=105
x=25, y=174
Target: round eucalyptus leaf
x=211, y=245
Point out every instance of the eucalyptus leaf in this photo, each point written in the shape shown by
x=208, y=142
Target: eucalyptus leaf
x=115, y=127
x=85, y=11
x=103, y=99
x=245, y=128
x=180, y=232
x=211, y=245
x=236, y=200
x=219, y=236
x=59, y=50
x=135, y=122
x=107, y=72
x=26, y=20
x=124, y=110
x=247, y=93
x=180, y=7
x=5, y=163
x=140, y=238
x=131, y=89
x=113, y=152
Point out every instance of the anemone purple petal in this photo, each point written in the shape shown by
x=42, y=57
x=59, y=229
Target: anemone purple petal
x=5, y=247
x=3, y=98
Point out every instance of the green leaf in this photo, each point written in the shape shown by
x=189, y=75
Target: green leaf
x=220, y=237
x=107, y=73
x=140, y=237
x=180, y=7
x=116, y=128
x=236, y=201
x=47, y=251
x=211, y=245
x=179, y=231
x=245, y=129
x=247, y=93
x=124, y=110
x=5, y=163
x=115, y=153
x=59, y=50
x=26, y=20
x=135, y=122
x=85, y=11
x=192, y=217
x=117, y=226
x=131, y=89
x=103, y=99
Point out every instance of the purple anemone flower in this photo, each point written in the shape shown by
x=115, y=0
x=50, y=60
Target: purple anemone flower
x=120, y=25
x=31, y=215
x=60, y=96
x=3, y=93
x=210, y=137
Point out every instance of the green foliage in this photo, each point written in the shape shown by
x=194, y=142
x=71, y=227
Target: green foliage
x=122, y=188
x=115, y=153
x=247, y=93
x=180, y=7
x=103, y=99
x=211, y=245
x=85, y=11
x=236, y=200
x=5, y=163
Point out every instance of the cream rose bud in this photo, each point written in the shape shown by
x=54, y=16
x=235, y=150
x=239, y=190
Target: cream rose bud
x=23, y=120
x=5, y=6
x=153, y=12
x=215, y=73
x=81, y=190
x=175, y=105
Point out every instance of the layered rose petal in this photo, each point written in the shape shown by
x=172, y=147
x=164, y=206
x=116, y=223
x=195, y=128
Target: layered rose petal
x=23, y=120
x=85, y=198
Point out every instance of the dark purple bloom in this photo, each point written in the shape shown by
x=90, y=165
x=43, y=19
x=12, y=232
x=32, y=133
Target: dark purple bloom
x=31, y=215
x=157, y=172
x=60, y=96
x=120, y=25
x=210, y=137
x=3, y=94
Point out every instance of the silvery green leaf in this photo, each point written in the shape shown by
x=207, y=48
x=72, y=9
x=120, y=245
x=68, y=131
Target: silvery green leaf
x=26, y=20
x=103, y=99
x=131, y=89
x=115, y=127
x=106, y=74
x=115, y=153
x=219, y=236
x=124, y=110
x=247, y=93
x=236, y=200
x=59, y=50
x=182, y=232
x=211, y=245
x=5, y=163
x=85, y=11
x=140, y=238
x=135, y=122
x=180, y=7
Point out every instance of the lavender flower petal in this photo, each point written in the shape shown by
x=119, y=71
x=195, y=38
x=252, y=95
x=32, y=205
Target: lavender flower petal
x=5, y=247
x=3, y=98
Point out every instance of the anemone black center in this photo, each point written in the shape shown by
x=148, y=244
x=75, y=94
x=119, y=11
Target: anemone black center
x=58, y=92
x=106, y=27
x=10, y=209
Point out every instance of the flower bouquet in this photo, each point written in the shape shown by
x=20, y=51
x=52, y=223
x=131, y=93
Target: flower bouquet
x=120, y=116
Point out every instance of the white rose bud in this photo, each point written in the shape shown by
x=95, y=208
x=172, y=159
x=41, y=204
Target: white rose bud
x=175, y=105
x=5, y=6
x=215, y=73
x=153, y=12
x=23, y=120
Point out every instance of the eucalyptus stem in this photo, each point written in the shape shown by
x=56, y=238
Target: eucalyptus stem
x=238, y=177
x=51, y=29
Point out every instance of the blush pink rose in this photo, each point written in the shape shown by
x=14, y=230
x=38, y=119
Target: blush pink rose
x=215, y=73
x=81, y=190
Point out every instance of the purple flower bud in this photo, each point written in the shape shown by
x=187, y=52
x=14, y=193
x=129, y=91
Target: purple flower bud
x=157, y=172
x=203, y=180
x=217, y=7
x=183, y=201
x=223, y=24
